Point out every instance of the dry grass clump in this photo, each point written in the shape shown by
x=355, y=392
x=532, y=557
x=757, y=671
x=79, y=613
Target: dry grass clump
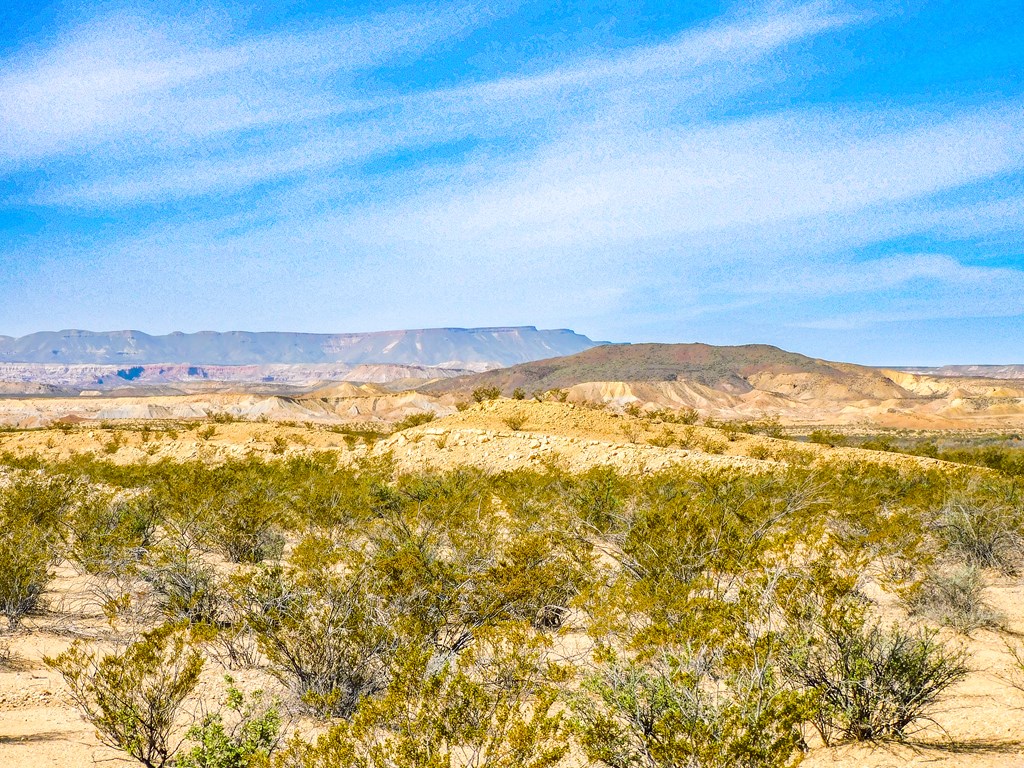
x=954, y=599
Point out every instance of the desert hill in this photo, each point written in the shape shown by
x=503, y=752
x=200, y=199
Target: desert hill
x=754, y=381
x=731, y=369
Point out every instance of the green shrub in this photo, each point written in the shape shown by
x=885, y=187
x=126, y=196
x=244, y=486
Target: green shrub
x=760, y=451
x=112, y=533
x=827, y=437
x=670, y=712
x=248, y=740
x=324, y=636
x=515, y=421
x=481, y=394
x=187, y=588
x=664, y=440
x=879, y=443
x=518, y=393
x=133, y=698
x=874, y=683
x=687, y=416
x=247, y=524
x=493, y=706
x=27, y=553
x=414, y=420
x=33, y=513
x=534, y=580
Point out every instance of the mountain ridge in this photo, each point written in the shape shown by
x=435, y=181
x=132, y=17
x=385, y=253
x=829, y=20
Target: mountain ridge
x=479, y=348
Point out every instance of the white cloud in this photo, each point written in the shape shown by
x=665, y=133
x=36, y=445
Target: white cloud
x=603, y=186
x=695, y=66
x=130, y=82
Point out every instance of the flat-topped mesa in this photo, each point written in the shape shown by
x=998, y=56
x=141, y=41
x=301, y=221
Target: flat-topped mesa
x=472, y=348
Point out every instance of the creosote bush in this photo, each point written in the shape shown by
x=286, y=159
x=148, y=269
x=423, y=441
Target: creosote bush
x=515, y=421
x=985, y=528
x=33, y=513
x=422, y=612
x=111, y=534
x=325, y=637
x=134, y=697
x=874, y=683
x=671, y=712
x=482, y=394
x=186, y=587
x=414, y=420
x=493, y=706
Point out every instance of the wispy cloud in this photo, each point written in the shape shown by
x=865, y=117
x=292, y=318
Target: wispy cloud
x=132, y=83
x=346, y=127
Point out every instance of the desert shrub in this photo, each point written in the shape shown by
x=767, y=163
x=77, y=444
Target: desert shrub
x=691, y=548
x=534, y=579
x=414, y=420
x=186, y=587
x=481, y=394
x=769, y=426
x=732, y=431
x=324, y=635
x=712, y=446
x=983, y=531
x=518, y=393
x=134, y=697
x=515, y=421
x=759, y=451
x=954, y=599
x=631, y=431
x=827, y=437
x=111, y=533
x=873, y=683
x=44, y=501
x=665, y=439
x=247, y=525
x=926, y=448
x=879, y=443
x=687, y=416
x=32, y=515
x=116, y=440
x=671, y=712
x=27, y=554
x=248, y=740
x=494, y=706
x=597, y=497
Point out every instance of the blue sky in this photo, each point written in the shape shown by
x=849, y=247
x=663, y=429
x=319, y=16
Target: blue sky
x=842, y=179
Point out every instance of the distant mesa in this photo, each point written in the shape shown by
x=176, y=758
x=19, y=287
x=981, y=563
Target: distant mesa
x=473, y=348
x=66, y=362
